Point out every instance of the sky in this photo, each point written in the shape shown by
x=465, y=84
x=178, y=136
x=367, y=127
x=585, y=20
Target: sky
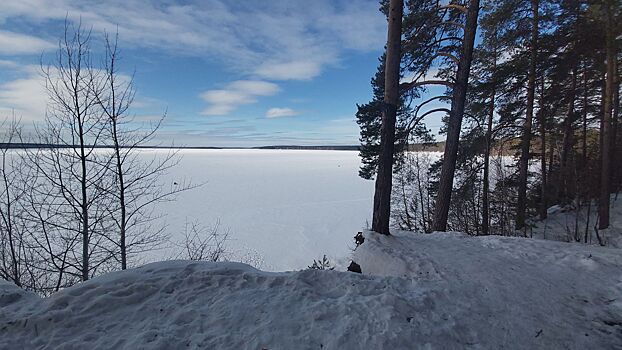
x=226, y=73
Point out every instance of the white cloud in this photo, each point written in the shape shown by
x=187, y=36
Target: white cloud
x=257, y=40
x=26, y=96
x=255, y=87
x=281, y=112
x=299, y=70
x=237, y=93
x=12, y=43
x=283, y=40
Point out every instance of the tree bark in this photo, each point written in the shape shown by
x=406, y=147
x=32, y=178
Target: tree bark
x=384, y=179
x=615, y=129
x=543, y=179
x=605, y=174
x=448, y=169
x=491, y=114
x=567, y=176
x=523, y=164
x=84, y=205
x=584, y=128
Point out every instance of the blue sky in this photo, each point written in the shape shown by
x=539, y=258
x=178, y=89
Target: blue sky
x=228, y=73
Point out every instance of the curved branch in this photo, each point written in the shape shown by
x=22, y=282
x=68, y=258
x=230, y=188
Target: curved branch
x=439, y=97
x=416, y=121
x=412, y=85
x=441, y=109
x=458, y=7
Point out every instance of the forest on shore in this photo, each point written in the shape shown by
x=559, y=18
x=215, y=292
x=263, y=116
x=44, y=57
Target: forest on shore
x=529, y=95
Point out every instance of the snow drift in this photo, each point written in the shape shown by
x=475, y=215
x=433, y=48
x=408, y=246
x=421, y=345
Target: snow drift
x=440, y=291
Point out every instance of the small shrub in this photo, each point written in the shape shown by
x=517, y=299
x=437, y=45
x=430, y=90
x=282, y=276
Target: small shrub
x=323, y=264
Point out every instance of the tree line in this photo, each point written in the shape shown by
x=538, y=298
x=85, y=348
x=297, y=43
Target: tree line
x=538, y=80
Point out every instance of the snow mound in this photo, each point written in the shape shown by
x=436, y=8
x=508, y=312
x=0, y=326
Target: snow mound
x=503, y=292
x=439, y=291
x=181, y=305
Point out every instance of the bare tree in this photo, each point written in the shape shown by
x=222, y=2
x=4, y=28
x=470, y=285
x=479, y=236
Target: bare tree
x=137, y=180
x=411, y=195
x=14, y=253
x=67, y=196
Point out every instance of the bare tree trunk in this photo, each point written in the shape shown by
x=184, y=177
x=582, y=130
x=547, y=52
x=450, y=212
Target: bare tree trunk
x=84, y=206
x=382, y=194
x=116, y=110
x=568, y=142
x=543, y=181
x=122, y=204
x=424, y=221
x=486, y=185
x=605, y=174
x=74, y=172
x=8, y=213
x=584, y=126
x=446, y=180
x=523, y=164
x=615, y=129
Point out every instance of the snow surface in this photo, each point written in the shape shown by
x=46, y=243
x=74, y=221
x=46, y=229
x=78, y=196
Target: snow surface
x=561, y=223
x=288, y=206
x=417, y=291
x=504, y=292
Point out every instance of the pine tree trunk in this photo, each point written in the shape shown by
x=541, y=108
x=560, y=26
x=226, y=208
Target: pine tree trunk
x=615, y=130
x=384, y=179
x=523, y=165
x=448, y=169
x=543, y=180
x=568, y=143
x=486, y=184
x=584, y=126
x=605, y=174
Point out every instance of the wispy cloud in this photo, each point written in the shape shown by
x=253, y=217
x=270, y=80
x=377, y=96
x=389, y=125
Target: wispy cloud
x=297, y=70
x=281, y=112
x=237, y=93
x=24, y=97
x=258, y=43
x=12, y=43
x=278, y=40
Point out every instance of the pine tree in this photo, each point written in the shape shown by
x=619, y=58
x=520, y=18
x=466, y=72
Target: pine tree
x=382, y=194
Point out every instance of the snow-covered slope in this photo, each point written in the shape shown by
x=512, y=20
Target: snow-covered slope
x=451, y=292
x=563, y=224
x=503, y=292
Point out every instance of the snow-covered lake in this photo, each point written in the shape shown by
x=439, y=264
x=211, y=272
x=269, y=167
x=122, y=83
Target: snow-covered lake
x=288, y=206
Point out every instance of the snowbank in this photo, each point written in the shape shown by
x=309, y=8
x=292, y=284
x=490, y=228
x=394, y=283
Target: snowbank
x=180, y=305
x=503, y=292
x=440, y=291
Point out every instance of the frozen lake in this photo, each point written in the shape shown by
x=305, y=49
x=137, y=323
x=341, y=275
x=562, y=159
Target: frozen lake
x=288, y=206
